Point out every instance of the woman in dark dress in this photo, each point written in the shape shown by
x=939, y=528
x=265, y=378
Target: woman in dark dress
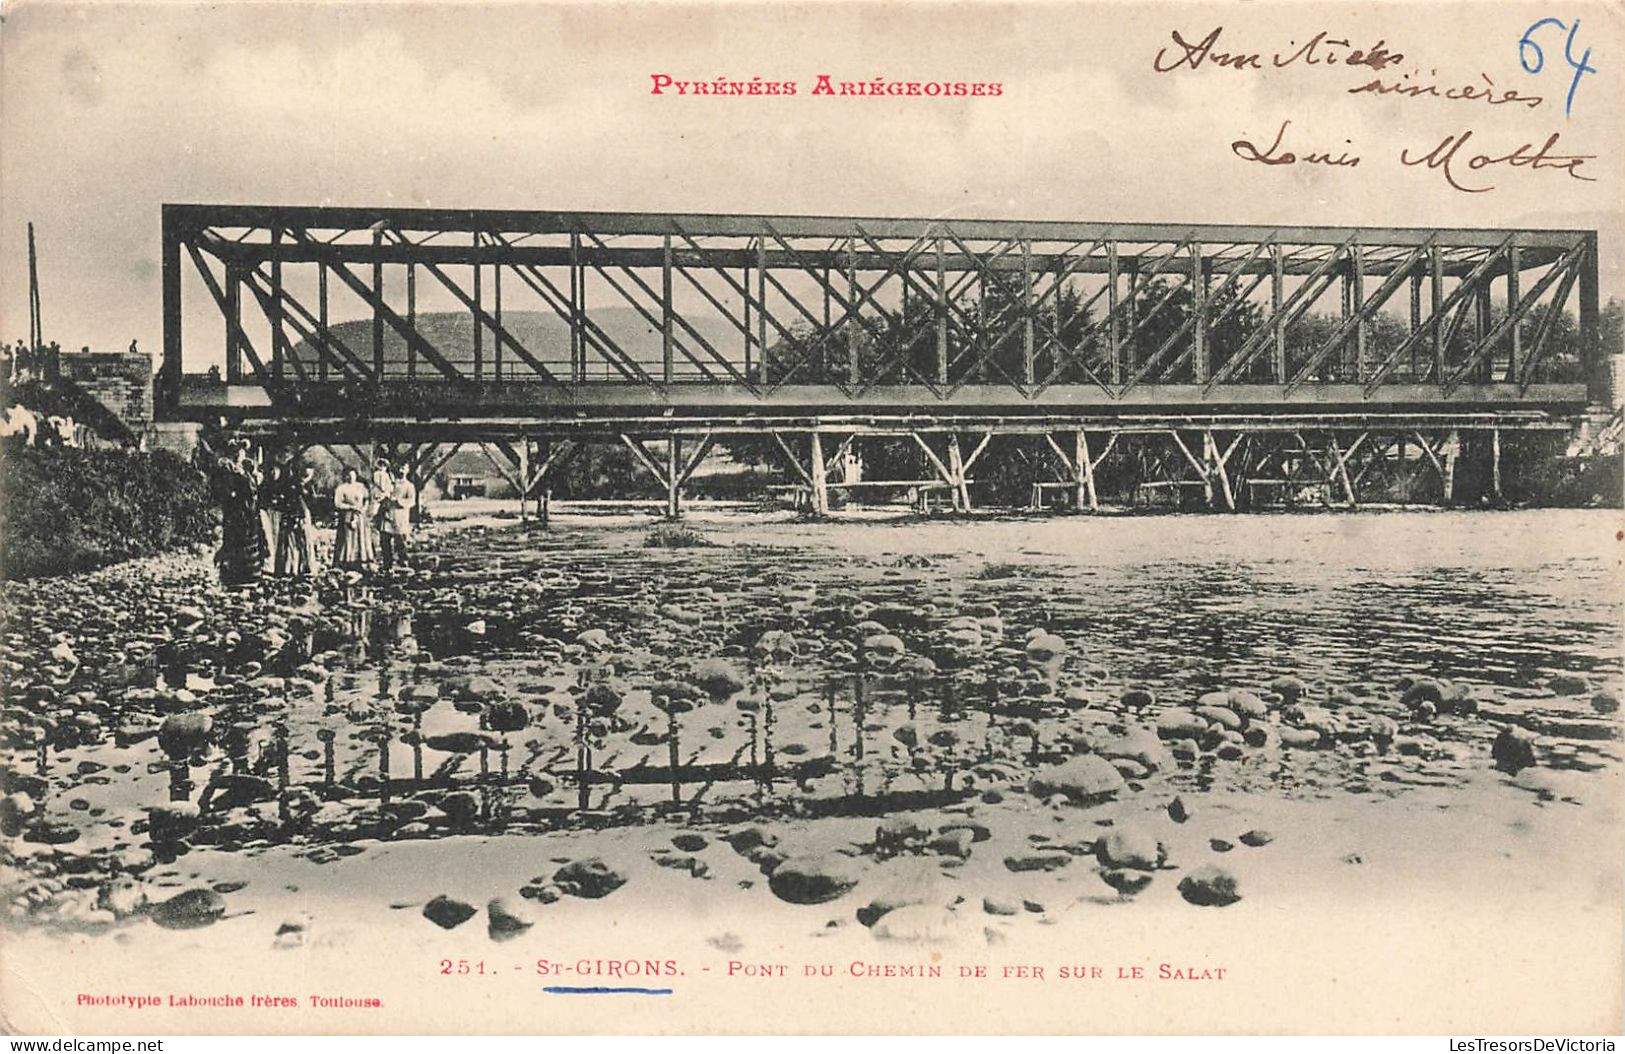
x=242, y=536
x=296, y=538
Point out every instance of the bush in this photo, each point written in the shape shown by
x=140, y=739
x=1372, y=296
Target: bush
x=64, y=509
x=675, y=536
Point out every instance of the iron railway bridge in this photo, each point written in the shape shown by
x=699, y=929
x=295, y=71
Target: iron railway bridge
x=1231, y=365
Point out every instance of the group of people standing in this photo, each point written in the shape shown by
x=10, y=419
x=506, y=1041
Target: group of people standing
x=267, y=517
x=383, y=505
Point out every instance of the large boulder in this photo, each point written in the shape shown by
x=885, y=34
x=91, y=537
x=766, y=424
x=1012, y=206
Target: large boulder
x=182, y=735
x=1513, y=750
x=506, y=920
x=590, y=878
x=813, y=879
x=190, y=910
x=1180, y=723
x=1210, y=886
x=718, y=678
x=1083, y=780
x=1131, y=847
x=448, y=913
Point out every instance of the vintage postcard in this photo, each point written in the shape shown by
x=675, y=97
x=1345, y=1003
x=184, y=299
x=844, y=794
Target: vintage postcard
x=711, y=517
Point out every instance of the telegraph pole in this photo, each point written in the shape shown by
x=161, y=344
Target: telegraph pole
x=36, y=329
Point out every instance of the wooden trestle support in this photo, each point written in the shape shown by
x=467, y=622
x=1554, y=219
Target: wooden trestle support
x=1219, y=465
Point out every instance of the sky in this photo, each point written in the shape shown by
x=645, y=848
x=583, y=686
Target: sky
x=107, y=111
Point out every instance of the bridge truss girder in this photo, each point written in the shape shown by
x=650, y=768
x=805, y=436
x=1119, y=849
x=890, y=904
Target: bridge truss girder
x=757, y=314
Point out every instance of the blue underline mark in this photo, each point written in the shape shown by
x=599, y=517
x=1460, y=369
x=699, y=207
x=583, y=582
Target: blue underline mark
x=565, y=990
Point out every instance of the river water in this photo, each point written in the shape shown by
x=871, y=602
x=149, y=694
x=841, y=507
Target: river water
x=523, y=678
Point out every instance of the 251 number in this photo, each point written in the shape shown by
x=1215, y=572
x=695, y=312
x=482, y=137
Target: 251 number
x=460, y=967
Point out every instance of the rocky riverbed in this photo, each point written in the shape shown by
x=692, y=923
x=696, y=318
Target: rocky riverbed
x=896, y=738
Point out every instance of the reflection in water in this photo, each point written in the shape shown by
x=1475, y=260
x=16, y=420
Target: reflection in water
x=572, y=658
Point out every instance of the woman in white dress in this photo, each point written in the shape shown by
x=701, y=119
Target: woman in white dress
x=352, y=545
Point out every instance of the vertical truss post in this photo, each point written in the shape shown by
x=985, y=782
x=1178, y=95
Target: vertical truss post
x=1436, y=320
x=378, y=307
x=1349, y=306
x=411, y=317
x=169, y=388
x=1199, y=291
x=1029, y=364
x=475, y=307
x=321, y=321
x=1416, y=313
x=234, y=323
x=578, y=351
x=818, y=476
x=941, y=311
x=1515, y=335
x=1113, y=339
x=666, y=351
x=744, y=287
x=674, y=477
x=761, y=303
x=852, y=374
x=1362, y=327
x=496, y=316
x=1590, y=334
x=278, y=338
x=1277, y=321
x=1481, y=325
x=1129, y=357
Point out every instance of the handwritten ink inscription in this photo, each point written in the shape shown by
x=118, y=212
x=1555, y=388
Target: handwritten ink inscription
x=1320, y=50
x=1457, y=165
x=1533, y=59
x=1460, y=159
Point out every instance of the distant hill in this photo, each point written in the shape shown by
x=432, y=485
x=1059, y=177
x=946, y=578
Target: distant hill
x=544, y=333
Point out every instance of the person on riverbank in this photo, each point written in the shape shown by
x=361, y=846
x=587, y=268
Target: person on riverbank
x=352, y=542
x=296, y=537
x=271, y=486
x=380, y=487
x=396, y=528
x=241, y=558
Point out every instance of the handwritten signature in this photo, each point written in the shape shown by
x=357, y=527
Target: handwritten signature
x=1450, y=157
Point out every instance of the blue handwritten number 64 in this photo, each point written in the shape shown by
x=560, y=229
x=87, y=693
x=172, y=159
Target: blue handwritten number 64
x=1580, y=68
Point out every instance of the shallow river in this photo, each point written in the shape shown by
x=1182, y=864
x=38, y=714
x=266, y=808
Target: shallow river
x=528, y=678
